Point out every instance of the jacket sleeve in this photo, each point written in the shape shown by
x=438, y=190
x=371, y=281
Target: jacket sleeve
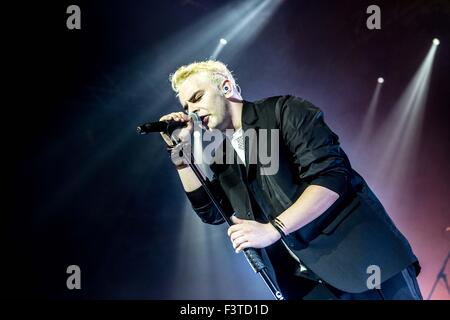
x=204, y=207
x=314, y=147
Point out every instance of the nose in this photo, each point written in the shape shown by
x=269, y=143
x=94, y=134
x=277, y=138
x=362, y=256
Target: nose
x=189, y=106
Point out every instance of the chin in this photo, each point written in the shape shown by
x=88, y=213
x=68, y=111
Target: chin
x=212, y=124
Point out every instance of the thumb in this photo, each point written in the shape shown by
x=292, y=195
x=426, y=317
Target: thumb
x=236, y=220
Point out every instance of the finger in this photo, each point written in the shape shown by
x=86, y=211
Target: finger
x=177, y=115
x=243, y=246
x=232, y=229
x=236, y=220
x=184, y=116
x=166, y=118
x=236, y=235
x=167, y=139
x=238, y=242
x=181, y=116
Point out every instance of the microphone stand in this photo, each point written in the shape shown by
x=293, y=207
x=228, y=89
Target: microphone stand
x=251, y=254
x=441, y=275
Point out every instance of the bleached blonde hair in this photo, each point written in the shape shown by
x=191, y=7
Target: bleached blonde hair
x=216, y=70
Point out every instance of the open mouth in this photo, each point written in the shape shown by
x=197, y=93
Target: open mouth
x=205, y=119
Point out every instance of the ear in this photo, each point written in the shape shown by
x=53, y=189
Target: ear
x=227, y=88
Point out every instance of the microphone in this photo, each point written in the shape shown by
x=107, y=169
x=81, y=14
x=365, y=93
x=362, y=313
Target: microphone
x=167, y=127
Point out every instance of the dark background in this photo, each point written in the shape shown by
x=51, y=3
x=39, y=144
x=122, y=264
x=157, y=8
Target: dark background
x=83, y=188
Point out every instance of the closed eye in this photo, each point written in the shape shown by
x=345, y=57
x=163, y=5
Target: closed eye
x=198, y=97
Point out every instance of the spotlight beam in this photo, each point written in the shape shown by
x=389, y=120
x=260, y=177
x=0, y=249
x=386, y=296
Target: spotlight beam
x=249, y=25
x=402, y=130
x=369, y=119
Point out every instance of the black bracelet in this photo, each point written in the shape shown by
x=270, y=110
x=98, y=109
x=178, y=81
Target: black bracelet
x=278, y=225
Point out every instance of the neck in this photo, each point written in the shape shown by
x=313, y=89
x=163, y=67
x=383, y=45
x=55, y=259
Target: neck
x=235, y=109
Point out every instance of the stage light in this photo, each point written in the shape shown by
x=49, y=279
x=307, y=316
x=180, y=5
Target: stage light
x=223, y=41
x=436, y=41
x=380, y=80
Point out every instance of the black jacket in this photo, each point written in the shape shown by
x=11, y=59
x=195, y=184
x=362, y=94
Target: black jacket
x=338, y=246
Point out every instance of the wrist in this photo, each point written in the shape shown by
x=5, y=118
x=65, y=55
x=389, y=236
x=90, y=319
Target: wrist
x=275, y=234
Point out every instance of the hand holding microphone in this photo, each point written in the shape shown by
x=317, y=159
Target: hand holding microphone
x=177, y=120
x=166, y=126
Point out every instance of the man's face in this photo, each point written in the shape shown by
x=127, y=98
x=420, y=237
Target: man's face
x=197, y=94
